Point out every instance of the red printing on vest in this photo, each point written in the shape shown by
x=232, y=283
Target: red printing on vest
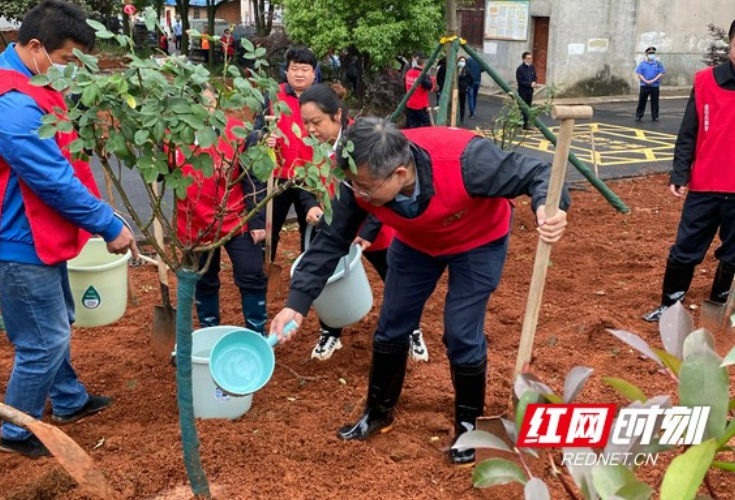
x=420, y=97
x=453, y=222
x=55, y=239
x=714, y=164
x=295, y=153
x=198, y=212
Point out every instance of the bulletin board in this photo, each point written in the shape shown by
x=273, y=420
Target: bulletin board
x=507, y=19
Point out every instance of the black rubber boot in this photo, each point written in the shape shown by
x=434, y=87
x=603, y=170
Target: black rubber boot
x=208, y=310
x=387, y=372
x=722, y=282
x=677, y=279
x=253, y=309
x=469, y=402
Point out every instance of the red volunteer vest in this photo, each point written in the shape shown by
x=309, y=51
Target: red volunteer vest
x=294, y=153
x=203, y=198
x=453, y=222
x=714, y=163
x=56, y=240
x=420, y=98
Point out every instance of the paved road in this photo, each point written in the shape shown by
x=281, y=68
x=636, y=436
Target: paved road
x=622, y=146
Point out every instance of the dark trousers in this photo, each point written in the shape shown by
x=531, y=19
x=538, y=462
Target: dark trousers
x=281, y=205
x=178, y=42
x=701, y=218
x=643, y=98
x=412, y=277
x=247, y=268
x=472, y=95
x=416, y=118
x=527, y=96
x=462, y=105
x=379, y=260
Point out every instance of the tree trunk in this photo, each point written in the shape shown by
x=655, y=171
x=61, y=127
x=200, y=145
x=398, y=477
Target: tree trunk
x=182, y=7
x=211, y=11
x=185, y=288
x=269, y=22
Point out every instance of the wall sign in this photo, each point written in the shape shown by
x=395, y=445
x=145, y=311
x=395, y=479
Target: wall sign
x=507, y=19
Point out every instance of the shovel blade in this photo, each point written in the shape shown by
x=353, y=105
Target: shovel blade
x=274, y=281
x=711, y=316
x=164, y=331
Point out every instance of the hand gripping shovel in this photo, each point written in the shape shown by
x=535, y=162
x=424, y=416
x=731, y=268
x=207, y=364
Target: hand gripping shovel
x=164, y=316
x=77, y=463
x=567, y=115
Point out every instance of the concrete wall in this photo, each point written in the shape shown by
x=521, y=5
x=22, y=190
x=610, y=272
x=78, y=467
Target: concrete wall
x=595, y=45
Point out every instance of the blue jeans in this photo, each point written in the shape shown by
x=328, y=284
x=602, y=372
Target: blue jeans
x=472, y=97
x=412, y=277
x=38, y=310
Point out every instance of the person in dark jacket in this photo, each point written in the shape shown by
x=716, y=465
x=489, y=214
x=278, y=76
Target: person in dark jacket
x=474, y=68
x=464, y=84
x=704, y=163
x=526, y=78
x=446, y=192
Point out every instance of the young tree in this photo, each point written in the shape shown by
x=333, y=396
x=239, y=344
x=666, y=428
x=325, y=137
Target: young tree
x=264, y=10
x=369, y=29
x=154, y=118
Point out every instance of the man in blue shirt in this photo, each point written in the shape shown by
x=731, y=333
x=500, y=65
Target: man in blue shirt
x=38, y=184
x=474, y=68
x=649, y=71
x=178, y=32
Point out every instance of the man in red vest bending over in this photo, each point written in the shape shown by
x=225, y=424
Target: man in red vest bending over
x=446, y=193
x=417, y=114
x=49, y=205
x=704, y=162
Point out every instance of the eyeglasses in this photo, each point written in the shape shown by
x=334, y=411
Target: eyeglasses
x=361, y=193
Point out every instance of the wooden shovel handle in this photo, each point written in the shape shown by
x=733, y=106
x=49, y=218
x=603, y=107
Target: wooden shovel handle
x=158, y=235
x=10, y=414
x=543, y=250
x=269, y=223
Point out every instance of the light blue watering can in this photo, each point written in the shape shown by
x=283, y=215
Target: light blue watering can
x=242, y=361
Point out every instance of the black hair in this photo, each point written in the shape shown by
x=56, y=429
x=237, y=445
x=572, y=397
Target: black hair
x=326, y=99
x=378, y=145
x=731, y=33
x=525, y=54
x=300, y=55
x=53, y=23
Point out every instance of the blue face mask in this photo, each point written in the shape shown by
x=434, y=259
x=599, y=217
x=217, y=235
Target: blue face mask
x=651, y=57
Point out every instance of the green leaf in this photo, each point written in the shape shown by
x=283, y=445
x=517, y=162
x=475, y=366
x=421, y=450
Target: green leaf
x=207, y=136
x=40, y=80
x=702, y=382
x=729, y=358
x=574, y=382
x=536, y=489
x=47, y=131
x=687, y=471
x=581, y=473
x=193, y=121
x=697, y=340
x=247, y=44
x=480, y=439
x=96, y=25
x=637, y=343
x=141, y=136
x=296, y=130
x=669, y=360
x=637, y=490
x=728, y=466
x=60, y=84
x=674, y=326
x=630, y=391
x=76, y=146
x=497, y=471
x=608, y=479
x=527, y=398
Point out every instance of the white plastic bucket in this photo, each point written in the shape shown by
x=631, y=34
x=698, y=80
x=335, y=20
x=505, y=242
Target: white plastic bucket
x=99, y=284
x=209, y=400
x=347, y=297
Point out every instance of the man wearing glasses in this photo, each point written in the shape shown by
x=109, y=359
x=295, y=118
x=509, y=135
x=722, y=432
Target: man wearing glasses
x=447, y=194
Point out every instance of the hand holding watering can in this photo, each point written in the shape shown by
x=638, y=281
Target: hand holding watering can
x=242, y=361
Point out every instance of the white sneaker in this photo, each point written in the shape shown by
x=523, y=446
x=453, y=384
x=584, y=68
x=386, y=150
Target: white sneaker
x=419, y=352
x=326, y=346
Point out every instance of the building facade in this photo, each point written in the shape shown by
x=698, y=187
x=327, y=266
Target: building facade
x=592, y=47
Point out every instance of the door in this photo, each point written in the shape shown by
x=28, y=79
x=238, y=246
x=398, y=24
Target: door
x=540, y=46
x=472, y=23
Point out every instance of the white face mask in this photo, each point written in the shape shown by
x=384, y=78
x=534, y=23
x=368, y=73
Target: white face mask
x=461, y=64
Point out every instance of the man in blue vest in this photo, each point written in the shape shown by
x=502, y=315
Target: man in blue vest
x=49, y=206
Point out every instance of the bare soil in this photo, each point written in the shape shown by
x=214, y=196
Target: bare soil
x=606, y=273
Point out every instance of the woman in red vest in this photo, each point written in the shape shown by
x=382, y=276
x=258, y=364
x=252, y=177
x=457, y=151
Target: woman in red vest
x=198, y=223
x=704, y=162
x=446, y=192
x=325, y=117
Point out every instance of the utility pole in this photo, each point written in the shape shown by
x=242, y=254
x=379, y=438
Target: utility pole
x=452, y=30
